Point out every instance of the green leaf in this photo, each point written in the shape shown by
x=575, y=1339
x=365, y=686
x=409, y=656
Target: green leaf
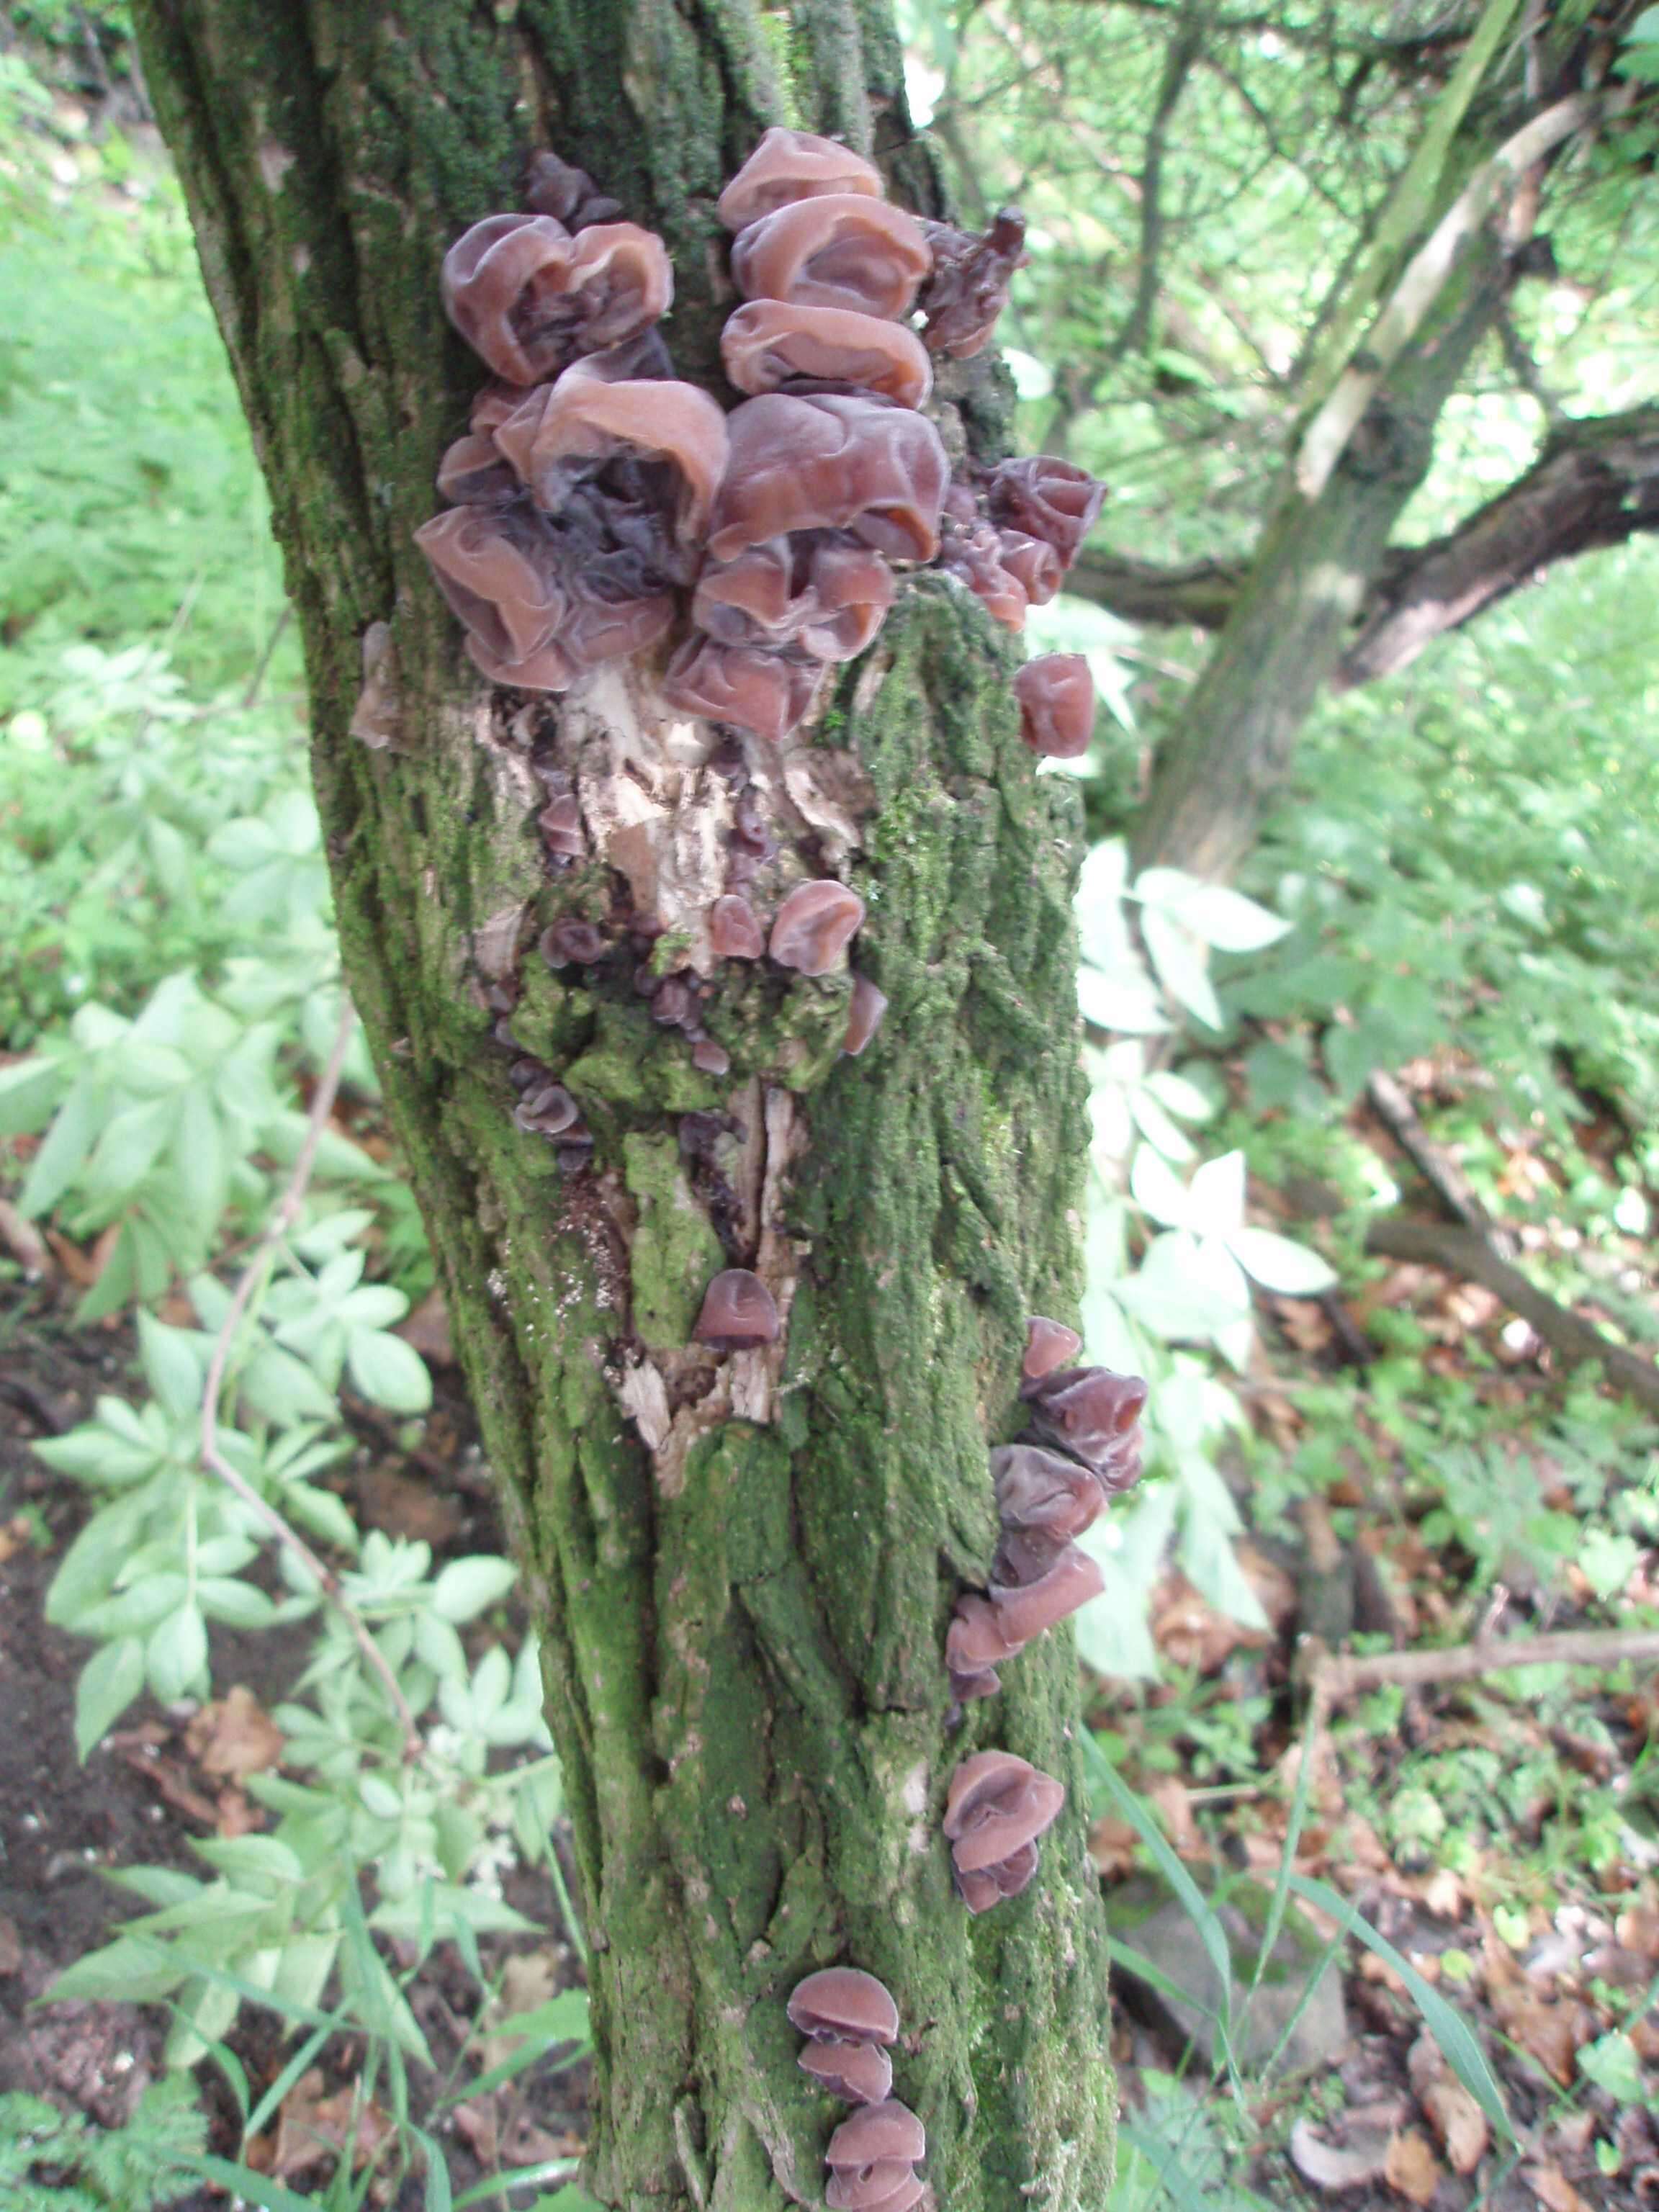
x=64, y=1149
x=174, y=1366
x=466, y=1586
x=1280, y=1264
x=175, y=1658
x=388, y=1371
x=131, y=1969
x=1456, y=2039
x=28, y=1092
x=1226, y=921
x=1178, y=957
x=108, y=1683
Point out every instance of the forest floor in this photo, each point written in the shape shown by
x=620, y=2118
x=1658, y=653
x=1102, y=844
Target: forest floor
x=166, y=1778
x=1496, y=1831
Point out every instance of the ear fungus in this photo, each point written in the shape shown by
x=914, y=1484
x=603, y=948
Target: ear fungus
x=847, y=2016
x=834, y=461
x=1048, y=1344
x=995, y=1809
x=975, y=555
x=563, y=432
x=734, y=928
x=792, y=165
x=1056, y=696
x=1049, y=499
x=844, y=2001
x=968, y=288
x=819, y=591
x=838, y=250
x=738, y=1312
x=864, y=1015
x=1094, y=1415
x=768, y=343
x=528, y=298
x=567, y=194
x=814, y=925
x=499, y=573
x=765, y=693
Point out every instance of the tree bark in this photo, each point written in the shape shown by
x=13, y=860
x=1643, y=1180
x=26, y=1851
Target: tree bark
x=742, y=1566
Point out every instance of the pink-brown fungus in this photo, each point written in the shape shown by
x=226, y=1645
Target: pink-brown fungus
x=1048, y=1344
x=500, y=572
x=1056, y=696
x=472, y=473
x=768, y=343
x=1033, y=563
x=841, y=250
x=1093, y=1414
x=819, y=591
x=567, y=194
x=792, y=165
x=1024, y=1610
x=974, y=554
x=877, y=2132
x=867, y=2188
x=814, y=925
x=995, y=1808
x=844, y=2001
x=734, y=930
x=864, y=1015
x=968, y=288
x=862, y=2073
x=765, y=693
x=573, y=944
x=836, y=461
x=975, y=1647
x=738, y=1312
x=566, y=435
x=1049, y=499
x=528, y=298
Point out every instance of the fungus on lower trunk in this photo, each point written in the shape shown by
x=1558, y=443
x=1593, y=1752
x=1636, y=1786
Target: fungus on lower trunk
x=836, y=250
x=1056, y=696
x=814, y=925
x=996, y=1807
x=738, y=1312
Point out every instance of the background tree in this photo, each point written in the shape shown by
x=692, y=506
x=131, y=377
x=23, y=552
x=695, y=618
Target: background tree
x=742, y=1590
x=1463, y=188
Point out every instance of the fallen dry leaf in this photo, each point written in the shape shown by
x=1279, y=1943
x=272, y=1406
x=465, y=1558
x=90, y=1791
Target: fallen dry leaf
x=1411, y=2169
x=1552, y=2033
x=426, y=1329
x=1459, y=2123
x=311, y=2127
x=234, y=1736
x=23, y=1241
x=1552, y=2189
x=1112, y=1845
x=1170, y=1800
x=1362, y=2158
x=13, y=1535
x=11, y=1949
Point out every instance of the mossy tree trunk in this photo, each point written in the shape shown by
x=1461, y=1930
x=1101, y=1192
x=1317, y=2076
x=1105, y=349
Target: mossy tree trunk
x=742, y=1568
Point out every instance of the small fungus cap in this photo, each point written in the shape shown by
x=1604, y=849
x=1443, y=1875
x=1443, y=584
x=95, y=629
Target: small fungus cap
x=832, y=461
x=818, y=591
x=499, y=571
x=864, y=2188
x=968, y=287
x=498, y=279
x=735, y=933
x=844, y=2002
x=1090, y=1411
x=1049, y=499
x=792, y=165
x=877, y=2132
x=842, y=250
x=738, y=1312
x=862, y=2073
x=865, y=1013
x=766, y=693
x=562, y=432
x=1056, y=696
x=976, y=1639
x=1024, y=1611
x=1038, y=1489
x=769, y=342
x=997, y=1803
x=814, y=925
x=1048, y=1344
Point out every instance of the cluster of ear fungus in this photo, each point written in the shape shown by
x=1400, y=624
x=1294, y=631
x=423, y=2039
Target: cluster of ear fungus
x=1082, y=1446
x=597, y=498
x=849, y=2018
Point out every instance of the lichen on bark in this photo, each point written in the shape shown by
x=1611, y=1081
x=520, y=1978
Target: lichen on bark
x=742, y=1565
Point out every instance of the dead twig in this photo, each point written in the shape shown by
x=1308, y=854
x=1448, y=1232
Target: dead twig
x=1393, y=1108
x=283, y=1218
x=1462, y=1252
x=1339, y=1675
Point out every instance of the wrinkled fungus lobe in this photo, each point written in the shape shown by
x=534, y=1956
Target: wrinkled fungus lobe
x=563, y=432
x=1024, y=1610
x=768, y=342
x=819, y=591
x=814, y=925
x=996, y=1807
x=1049, y=499
x=528, y=298
x=738, y=1313
x=1056, y=696
x=862, y=2073
x=1093, y=1412
x=864, y=1015
x=735, y=933
x=834, y=460
x=762, y=692
x=876, y=2133
x=500, y=573
x=792, y=165
x=839, y=250
x=968, y=287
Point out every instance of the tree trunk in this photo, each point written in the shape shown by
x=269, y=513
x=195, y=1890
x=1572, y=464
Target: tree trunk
x=742, y=1566
x=1229, y=756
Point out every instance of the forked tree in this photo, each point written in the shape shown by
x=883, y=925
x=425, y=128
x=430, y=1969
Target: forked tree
x=742, y=1566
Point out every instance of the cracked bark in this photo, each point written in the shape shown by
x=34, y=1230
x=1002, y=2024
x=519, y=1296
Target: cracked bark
x=742, y=1569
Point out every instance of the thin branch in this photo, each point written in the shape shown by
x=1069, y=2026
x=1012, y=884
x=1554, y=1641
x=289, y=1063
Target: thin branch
x=1462, y=1252
x=1184, y=50
x=1337, y=1677
x=283, y=1218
